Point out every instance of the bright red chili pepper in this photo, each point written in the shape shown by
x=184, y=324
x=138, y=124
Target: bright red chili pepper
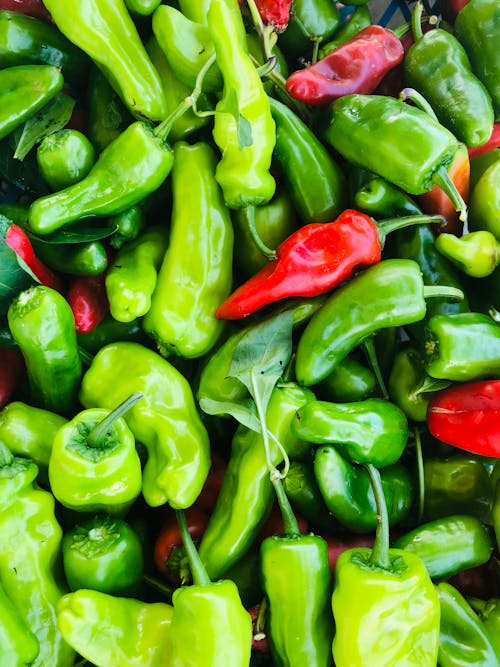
x=12, y=369
x=312, y=260
x=467, y=416
x=357, y=66
x=89, y=302
x=274, y=12
x=493, y=142
x=30, y=7
x=16, y=239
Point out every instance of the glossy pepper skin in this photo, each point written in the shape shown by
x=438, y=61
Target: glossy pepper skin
x=370, y=431
x=190, y=286
x=357, y=66
x=466, y=415
x=305, y=497
x=110, y=630
x=485, y=202
x=42, y=324
x=246, y=495
x=243, y=171
x=112, y=41
x=462, y=635
x=112, y=185
x=388, y=615
x=64, y=158
x=107, y=116
x=77, y=259
x=313, y=179
x=165, y=420
x=477, y=27
x=132, y=277
x=489, y=613
x=437, y=66
x=408, y=384
x=30, y=542
x=382, y=199
x=468, y=544
x=350, y=381
x=477, y=254
x=462, y=347
x=19, y=645
x=24, y=89
x=311, y=23
x=297, y=582
x=110, y=330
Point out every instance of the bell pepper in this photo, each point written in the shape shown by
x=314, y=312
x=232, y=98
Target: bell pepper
x=112, y=41
x=19, y=644
x=359, y=18
x=88, y=301
x=462, y=347
x=64, y=158
x=348, y=495
x=349, y=381
x=468, y=544
x=477, y=254
x=165, y=420
x=132, y=277
x=385, y=607
x=110, y=630
x=370, y=431
x=190, y=286
x=94, y=465
x=42, y=324
x=357, y=66
x=437, y=66
x=462, y=635
x=30, y=543
x=485, y=202
x=103, y=554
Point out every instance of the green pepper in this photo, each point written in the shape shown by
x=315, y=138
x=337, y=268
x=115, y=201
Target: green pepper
x=195, y=10
x=457, y=484
x=165, y=420
x=480, y=163
x=191, y=285
x=311, y=23
x=110, y=330
x=314, y=180
x=142, y=7
x=246, y=575
x=437, y=66
x=19, y=645
x=25, y=40
x=244, y=109
x=348, y=495
x=496, y=510
x=94, y=466
x=489, y=613
x=105, y=31
x=355, y=22
x=30, y=542
x=103, y=554
x=349, y=381
x=370, y=431
x=24, y=89
x=303, y=492
x=463, y=639
x=64, y=158
x=462, y=347
x=484, y=205
x=379, y=198
x=131, y=278
x=478, y=29
x=109, y=630
x=43, y=326
x=477, y=254
x=246, y=495
x=449, y=545
x=128, y=224
x=77, y=259
x=107, y=116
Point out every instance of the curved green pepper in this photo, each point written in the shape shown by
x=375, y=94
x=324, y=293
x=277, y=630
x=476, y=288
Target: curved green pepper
x=43, y=326
x=191, y=285
x=484, y=207
x=165, y=420
x=370, y=431
x=19, y=645
x=477, y=254
x=109, y=630
x=64, y=158
x=379, y=198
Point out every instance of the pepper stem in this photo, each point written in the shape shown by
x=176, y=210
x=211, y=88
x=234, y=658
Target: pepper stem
x=380, y=551
x=416, y=21
x=442, y=178
x=369, y=348
x=6, y=456
x=98, y=434
x=290, y=525
x=85, y=356
x=249, y=212
x=392, y=224
x=433, y=291
x=419, y=100
x=420, y=475
x=198, y=572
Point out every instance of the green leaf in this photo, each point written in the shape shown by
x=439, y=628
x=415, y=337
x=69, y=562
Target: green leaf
x=431, y=385
x=243, y=127
x=13, y=278
x=244, y=412
x=52, y=117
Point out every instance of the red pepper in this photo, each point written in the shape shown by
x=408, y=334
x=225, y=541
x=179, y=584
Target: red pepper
x=493, y=142
x=313, y=260
x=16, y=239
x=451, y=8
x=89, y=302
x=274, y=12
x=467, y=416
x=12, y=369
x=357, y=66
x=30, y=7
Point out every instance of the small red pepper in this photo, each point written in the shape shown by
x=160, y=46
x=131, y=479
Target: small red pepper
x=357, y=66
x=467, y=416
x=89, y=302
x=493, y=142
x=16, y=239
x=275, y=13
x=12, y=369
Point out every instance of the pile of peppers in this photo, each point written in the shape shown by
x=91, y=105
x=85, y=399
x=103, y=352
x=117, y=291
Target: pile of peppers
x=282, y=450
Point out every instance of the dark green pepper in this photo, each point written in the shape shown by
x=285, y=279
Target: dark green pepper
x=128, y=224
x=303, y=492
x=489, y=613
x=349, y=381
x=107, y=116
x=382, y=199
x=77, y=259
x=311, y=23
x=485, y=202
x=110, y=330
x=355, y=22
x=64, y=158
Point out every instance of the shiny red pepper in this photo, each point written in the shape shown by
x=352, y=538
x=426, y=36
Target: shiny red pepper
x=12, y=369
x=467, y=416
x=493, y=142
x=16, y=239
x=357, y=66
x=89, y=302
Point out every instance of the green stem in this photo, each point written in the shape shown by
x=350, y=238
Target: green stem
x=446, y=291
x=380, y=552
x=98, y=434
x=392, y=224
x=418, y=99
x=249, y=212
x=314, y=58
x=198, y=572
x=268, y=67
x=420, y=474
x=369, y=348
x=442, y=178
x=290, y=525
x=158, y=585
x=416, y=21
x=86, y=357
x=6, y=456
